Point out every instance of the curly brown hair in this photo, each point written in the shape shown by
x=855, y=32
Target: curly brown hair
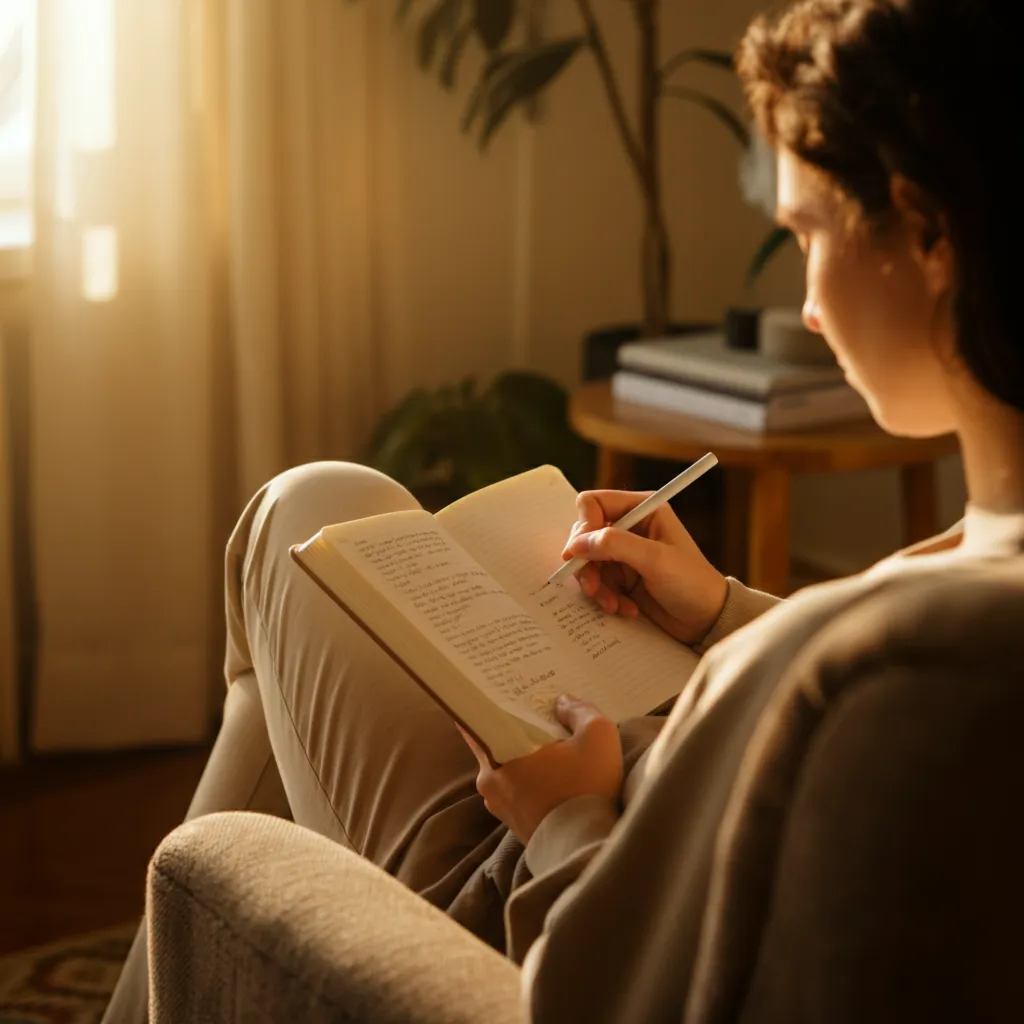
x=929, y=90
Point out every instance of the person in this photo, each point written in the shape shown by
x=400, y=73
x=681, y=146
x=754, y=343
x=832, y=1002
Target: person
x=896, y=175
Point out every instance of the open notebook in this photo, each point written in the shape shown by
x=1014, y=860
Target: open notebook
x=459, y=599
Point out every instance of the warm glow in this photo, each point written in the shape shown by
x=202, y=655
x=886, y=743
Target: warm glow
x=85, y=84
x=99, y=264
x=87, y=28
x=17, y=121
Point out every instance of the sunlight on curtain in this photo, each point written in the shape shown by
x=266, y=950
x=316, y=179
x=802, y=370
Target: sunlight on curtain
x=84, y=72
x=203, y=319
x=129, y=515
x=17, y=116
x=239, y=208
x=87, y=43
x=99, y=264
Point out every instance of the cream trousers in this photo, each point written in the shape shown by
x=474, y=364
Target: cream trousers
x=319, y=723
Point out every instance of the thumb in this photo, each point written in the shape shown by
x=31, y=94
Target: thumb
x=573, y=713
x=478, y=751
x=612, y=545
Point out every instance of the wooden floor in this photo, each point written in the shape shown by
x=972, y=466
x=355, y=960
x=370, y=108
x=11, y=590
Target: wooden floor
x=76, y=833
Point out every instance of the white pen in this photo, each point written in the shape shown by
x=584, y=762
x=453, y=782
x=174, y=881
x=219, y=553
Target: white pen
x=644, y=509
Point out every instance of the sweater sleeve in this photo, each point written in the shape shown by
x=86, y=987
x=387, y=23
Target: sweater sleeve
x=566, y=841
x=742, y=605
x=563, y=845
x=569, y=828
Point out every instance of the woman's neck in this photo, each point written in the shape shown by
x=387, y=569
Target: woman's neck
x=992, y=442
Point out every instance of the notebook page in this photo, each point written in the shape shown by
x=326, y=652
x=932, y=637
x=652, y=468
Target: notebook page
x=516, y=529
x=450, y=599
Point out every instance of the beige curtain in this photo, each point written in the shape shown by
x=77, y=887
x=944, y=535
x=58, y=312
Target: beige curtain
x=206, y=314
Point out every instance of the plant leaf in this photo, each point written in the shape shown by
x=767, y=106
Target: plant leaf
x=717, y=107
x=534, y=410
x=444, y=443
x=531, y=396
x=524, y=77
x=716, y=58
x=492, y=68
x=454, y=52
x=493, y=21
x=773, y=242
x=473, y=441
x=393, y=418
x=403, y=444
x=442, y=20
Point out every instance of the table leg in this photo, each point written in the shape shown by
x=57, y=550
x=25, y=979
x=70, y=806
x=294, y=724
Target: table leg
x=614, y=469
x=768, y=536
x=920, y=517
x=735, y=522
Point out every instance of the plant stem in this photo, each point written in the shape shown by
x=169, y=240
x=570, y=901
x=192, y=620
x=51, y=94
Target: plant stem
x=533, y=17
x=657, y=257
x=595, y=40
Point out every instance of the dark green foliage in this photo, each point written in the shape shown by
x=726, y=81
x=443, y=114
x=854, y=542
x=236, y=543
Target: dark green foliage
x=716, y=58
x=443, y=20
x=510, y=77
x=493, y=20
x=774, y=240
x=516, y=73
x=456, y=45
x=720, y=59
x=445, y=443
x=522, y=76
x=480, y=90
x=716, y=107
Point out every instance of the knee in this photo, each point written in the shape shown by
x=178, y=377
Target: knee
x=338, y=491
x=295, y=504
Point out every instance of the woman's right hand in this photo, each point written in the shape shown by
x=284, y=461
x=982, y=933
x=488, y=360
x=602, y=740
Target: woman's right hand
x=655, y=569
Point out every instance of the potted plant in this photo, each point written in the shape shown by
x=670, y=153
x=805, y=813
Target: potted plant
x=521, y=63
x=444, y=443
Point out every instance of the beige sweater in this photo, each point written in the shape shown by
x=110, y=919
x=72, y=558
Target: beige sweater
x=601, y=879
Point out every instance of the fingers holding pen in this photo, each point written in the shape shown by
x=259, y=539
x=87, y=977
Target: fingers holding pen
x=610, y=571
x=609, y=574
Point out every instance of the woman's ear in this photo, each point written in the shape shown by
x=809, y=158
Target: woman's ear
x=927, y=233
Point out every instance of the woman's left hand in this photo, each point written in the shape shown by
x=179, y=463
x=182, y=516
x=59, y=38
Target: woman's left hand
x=522, y=792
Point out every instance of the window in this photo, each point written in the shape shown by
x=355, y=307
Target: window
x=17, y=122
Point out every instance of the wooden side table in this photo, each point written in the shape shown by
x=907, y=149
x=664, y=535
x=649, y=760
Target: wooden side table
x=758, y=470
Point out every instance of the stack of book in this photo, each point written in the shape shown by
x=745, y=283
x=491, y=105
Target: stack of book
x=699, y=375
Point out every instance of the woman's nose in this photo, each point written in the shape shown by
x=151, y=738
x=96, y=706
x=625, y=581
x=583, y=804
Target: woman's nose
x=811, y=316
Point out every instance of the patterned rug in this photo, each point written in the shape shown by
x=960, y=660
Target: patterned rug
x=65, y=982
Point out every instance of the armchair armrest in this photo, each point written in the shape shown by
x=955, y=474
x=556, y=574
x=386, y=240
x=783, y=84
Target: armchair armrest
x=254, y=918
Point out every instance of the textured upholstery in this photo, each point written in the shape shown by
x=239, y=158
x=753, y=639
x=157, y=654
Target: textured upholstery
x=255, y=919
